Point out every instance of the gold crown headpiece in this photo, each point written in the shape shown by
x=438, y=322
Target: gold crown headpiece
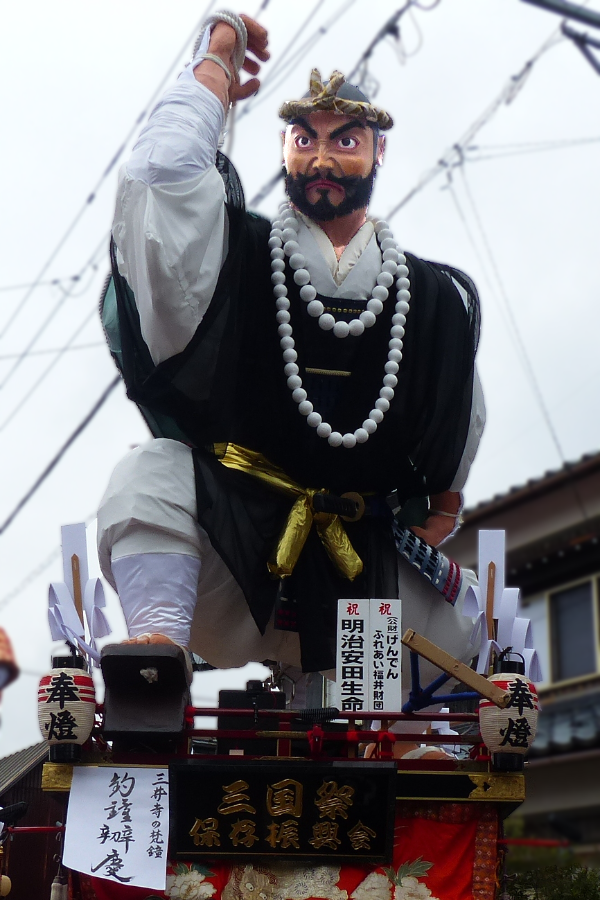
x=325, y=96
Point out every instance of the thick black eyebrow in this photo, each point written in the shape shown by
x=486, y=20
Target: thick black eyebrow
x=355, y=123
x=301, y=121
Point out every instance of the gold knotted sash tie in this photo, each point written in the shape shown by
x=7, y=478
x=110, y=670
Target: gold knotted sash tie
x=300, y=518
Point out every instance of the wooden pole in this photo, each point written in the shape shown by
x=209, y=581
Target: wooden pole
x=77, y=594
x=489, y=601
x=454, y=667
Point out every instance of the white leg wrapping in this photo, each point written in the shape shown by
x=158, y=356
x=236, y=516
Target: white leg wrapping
x=158, y=593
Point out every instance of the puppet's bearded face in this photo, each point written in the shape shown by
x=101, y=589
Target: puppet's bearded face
x=330, y=164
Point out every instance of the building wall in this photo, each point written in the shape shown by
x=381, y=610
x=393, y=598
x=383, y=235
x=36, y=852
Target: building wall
x=553, y=554
x=31, y=857
x=531, y=520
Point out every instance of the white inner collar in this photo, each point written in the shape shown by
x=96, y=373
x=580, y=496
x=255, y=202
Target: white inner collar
x=339, y=268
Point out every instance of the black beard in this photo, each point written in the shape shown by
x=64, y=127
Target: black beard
x=357, y=194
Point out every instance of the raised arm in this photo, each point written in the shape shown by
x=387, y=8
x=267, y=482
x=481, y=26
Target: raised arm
x=170, y=223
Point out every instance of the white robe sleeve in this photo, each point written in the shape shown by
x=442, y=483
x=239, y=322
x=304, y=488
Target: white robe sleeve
x=476, y=426
x=477, y=420
x=170, y=223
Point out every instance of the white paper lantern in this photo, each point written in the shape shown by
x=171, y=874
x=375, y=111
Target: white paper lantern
x=512, y=729
x=66, y=706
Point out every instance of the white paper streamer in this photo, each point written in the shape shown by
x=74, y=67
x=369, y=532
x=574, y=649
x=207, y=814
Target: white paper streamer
x=513, y=630
x=63, y=617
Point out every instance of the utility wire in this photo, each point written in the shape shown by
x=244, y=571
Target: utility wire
x=92, y=196
x=49, y=350
x=501, y=294
x=261, y=9
x=523, y=355
x=53, y=312
x=486, y=152
x=30, y=577
x=42, y=377
x=454, y=155
x=50, y=282
x=285, y=61
x=38, y=570
x=57, y=458
x=390, y=27
x=280, y=70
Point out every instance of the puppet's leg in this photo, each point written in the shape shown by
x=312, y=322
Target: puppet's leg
x=150, y=544
x=171, y=582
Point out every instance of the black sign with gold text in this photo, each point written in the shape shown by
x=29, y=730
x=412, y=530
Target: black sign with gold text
x=290, y=810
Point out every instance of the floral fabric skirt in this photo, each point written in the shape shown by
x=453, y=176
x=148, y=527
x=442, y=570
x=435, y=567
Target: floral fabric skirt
x=442, y=851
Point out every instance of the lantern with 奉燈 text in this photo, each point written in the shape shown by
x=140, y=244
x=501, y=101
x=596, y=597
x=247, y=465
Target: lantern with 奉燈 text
x=66, y=707
x=508, y=733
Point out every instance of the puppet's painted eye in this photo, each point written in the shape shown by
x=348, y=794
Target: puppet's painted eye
x=348, y=143
x=302, y=140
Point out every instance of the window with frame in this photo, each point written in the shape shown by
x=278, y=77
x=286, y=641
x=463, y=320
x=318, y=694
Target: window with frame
x=573, y=632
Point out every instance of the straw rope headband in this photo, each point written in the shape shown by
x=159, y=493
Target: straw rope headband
x=324, y=96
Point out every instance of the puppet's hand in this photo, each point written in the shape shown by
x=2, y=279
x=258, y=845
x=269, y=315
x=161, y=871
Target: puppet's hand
x=445, y=510
x=435, y=530
x=258, y=40
x=223, y=40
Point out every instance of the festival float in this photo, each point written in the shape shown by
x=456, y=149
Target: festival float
x=285, y=803
x=270, y=497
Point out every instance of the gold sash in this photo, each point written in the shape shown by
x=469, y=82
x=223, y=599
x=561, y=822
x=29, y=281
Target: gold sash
x=301, y=516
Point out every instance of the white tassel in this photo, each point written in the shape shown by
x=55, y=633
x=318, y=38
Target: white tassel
x=60, y=888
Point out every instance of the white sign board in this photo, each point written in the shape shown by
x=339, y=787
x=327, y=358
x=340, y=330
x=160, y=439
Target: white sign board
x=385, y=652
x=118, y=824
x=353, y=658
x=368, y=655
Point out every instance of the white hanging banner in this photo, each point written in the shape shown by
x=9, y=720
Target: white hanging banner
x=385, y=653
x=352, y=658
x=118, y=824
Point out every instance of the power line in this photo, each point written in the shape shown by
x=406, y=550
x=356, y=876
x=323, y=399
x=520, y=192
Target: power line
x=30, y=577
x=285, y=61
x=454, y=155
x=234, y=116
x=280, y=70
x=38, y=570
x=28, y=284
x=52, y=314
x=49, y=350
x=525, y=360
x=390, y=27
x=513, y=327
x=42, y=377
x=570, y=10
x=261, y=8
x=486, y=152
x=92, y=196
x=57, y=458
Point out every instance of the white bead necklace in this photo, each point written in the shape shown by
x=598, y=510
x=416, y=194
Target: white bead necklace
x=283, y=242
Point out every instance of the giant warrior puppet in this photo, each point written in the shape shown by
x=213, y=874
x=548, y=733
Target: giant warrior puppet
x=281, y=366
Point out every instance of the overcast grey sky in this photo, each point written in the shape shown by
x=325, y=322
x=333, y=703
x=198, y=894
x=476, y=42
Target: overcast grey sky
x=520, y=216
